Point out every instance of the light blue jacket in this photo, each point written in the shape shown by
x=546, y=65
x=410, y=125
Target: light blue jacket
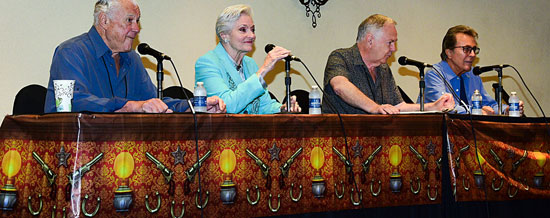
x=217, y=70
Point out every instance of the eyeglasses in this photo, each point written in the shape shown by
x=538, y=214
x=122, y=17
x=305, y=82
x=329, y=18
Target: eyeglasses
x=468, y=49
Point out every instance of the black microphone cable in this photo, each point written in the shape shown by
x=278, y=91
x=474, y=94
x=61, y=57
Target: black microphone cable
x=196, y=131
x=545, y=120
x=270, y=47
x=536, y=101
x=473, y=134
x=352, y=175
x=455, y=96
x=479, y=164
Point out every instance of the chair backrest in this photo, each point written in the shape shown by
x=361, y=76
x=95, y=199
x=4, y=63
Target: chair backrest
x=273, y=96
x=30, y=100
x=302, y=97
x=176, y=92
x=405, y=96
x=505, y=96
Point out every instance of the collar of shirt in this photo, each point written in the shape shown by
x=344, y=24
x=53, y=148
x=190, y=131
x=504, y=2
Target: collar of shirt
x=102, y=50
x=222, y=53
x=454, y=80
x=449, y=74
x=239, y=68
x=359, y=65
x=357, y=60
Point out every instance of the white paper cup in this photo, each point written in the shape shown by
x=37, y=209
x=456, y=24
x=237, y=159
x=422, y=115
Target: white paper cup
x=63, y=94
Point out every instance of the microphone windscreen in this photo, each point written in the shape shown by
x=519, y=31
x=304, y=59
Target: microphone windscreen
x=476, y=71
x=269, y=47
x=142, y=47
x=402, y=60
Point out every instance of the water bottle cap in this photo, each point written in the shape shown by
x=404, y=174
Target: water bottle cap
x=513, y=93
x=200, y=83
x=476, y=91
x=314, y=87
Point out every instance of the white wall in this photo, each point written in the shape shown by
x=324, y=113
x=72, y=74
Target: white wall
x=513, y=32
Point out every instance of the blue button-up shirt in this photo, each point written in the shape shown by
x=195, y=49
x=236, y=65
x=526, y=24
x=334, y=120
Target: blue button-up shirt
x=87, y=60
x=435, y=87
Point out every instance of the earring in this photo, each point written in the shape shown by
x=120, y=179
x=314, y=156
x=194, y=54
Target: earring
x=226, y=40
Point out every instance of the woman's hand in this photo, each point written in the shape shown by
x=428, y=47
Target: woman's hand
x=294, y=107
x=272, y=57
x=215, y=104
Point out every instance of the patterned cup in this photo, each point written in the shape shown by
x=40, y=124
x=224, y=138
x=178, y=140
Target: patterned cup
x=63, y=94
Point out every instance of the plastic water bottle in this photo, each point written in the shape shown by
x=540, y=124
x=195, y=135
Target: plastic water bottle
x=476, y=103
x=199, y=100
x=514, y=105
x=315, y=100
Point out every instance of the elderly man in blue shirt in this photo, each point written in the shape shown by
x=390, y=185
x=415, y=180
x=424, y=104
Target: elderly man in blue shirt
x=109, y=76
x=459, y=50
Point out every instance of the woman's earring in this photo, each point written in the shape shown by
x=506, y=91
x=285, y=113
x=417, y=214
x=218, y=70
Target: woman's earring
x=226, y=40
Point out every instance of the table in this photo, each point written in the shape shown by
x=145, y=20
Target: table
x=410, y=167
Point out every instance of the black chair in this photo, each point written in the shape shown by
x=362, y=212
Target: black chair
x=505, y=96
x=405, y=96
x=30, y=100
x=273, y=96
x=302, y=97
x=176, y=92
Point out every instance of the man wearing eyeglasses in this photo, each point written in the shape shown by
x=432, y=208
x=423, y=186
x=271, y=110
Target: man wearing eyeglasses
x=458, y=52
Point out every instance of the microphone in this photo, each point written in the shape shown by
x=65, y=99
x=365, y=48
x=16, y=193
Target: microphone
x=479, y=70
x=406, y=61
x=144, y=49
x=421, y=65
x=270, y=47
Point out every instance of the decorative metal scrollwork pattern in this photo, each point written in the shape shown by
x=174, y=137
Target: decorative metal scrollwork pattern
x=317, y=12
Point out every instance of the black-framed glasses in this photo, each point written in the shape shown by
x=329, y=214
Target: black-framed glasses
x=468, y=49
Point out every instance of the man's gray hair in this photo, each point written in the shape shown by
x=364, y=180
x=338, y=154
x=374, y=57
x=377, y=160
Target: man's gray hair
x=107, y=7
x=229, y=16
x=372, y=23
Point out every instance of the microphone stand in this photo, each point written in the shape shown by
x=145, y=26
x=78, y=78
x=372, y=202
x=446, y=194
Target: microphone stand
x=499, y=90
x=287, y=83
x=422, y=85
x=160, y=78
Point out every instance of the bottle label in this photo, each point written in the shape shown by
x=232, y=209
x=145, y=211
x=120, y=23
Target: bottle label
x=514, y=106
x=315, y=103
x=199, y=101
x=476, y=105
